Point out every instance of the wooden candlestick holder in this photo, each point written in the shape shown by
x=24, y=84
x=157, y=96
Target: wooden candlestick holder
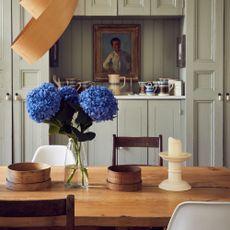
x=174, y=181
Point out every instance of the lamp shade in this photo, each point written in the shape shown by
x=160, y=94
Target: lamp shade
x=35, y=7
x=40, y=34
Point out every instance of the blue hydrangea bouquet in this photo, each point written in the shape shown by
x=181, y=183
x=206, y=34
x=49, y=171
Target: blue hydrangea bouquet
x=71, y=114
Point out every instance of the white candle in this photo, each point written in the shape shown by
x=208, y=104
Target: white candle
x=174, y=147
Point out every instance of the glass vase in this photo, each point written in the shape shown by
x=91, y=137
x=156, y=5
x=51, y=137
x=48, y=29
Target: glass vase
x=76, y=174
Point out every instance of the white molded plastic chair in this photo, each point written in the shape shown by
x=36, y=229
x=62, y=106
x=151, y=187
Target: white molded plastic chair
x=50, y=154
x=201, y=216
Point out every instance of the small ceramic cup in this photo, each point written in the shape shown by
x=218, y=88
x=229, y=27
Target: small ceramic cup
x=165, y=88
x=142, y=87
x=150, y=88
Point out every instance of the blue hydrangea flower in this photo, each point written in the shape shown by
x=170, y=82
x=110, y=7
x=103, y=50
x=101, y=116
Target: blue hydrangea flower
x=43, y=102
x=68, y=93
x=99, y=103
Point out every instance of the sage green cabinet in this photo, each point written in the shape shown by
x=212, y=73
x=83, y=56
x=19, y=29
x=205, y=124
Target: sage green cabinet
x=133, y=7
x=5, y=84
x=227, y=85
x=204, y=77
x=135, y=118
x=80, y=10
x=101, y=7
x=166, y=7
x=149, y=118
x=27, y=134
x=129, y=7
x=19, y=135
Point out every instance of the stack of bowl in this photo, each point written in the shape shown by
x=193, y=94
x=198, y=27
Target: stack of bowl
x=124, y=178
x=28, y=176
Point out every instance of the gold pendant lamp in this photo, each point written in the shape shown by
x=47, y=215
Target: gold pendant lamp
x=50, y=19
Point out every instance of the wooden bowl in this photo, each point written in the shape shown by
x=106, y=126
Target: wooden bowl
x=124, y=178
x=124, y=174
x=28, y=173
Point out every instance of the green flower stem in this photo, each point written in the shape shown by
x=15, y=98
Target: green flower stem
x=71, y=176
x=77, y=155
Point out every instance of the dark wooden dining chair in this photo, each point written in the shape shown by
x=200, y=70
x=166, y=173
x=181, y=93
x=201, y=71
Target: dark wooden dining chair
x=37, y=214
x=150, y=142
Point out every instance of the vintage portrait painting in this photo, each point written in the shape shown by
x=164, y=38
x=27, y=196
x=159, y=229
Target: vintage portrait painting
x=116, y=50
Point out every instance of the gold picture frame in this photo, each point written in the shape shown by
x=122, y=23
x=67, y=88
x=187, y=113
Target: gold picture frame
x=106, y=60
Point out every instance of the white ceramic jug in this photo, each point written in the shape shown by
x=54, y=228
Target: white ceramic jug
x=114, y=83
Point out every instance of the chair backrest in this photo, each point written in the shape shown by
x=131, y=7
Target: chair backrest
x=152, y=142
x=50, y=154
x=23, y=210
x=201, y=216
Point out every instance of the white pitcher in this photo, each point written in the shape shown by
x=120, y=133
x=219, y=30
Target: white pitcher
x=114, y=83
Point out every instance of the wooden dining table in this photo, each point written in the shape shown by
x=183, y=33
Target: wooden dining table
x=149, y=207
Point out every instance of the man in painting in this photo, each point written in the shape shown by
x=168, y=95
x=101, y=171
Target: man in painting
x=118, y=61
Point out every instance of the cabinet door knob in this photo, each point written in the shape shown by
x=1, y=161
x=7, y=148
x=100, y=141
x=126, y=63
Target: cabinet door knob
x=17, y=97
x=8, y=97
x=220, y=97
x=227, y=97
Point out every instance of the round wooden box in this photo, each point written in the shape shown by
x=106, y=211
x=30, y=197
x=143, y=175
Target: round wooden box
x=124, y=178
x=28, y=176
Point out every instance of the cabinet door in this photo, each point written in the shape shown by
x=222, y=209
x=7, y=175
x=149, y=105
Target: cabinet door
x=133, y=7
x=101, y=147
x=80, y=10
x=166, y=118
x=166, y=7
x=101, y=7
x=227, y=85
x=132, y=121
x=27, y=134
x=204, y=60
x=5, y=83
